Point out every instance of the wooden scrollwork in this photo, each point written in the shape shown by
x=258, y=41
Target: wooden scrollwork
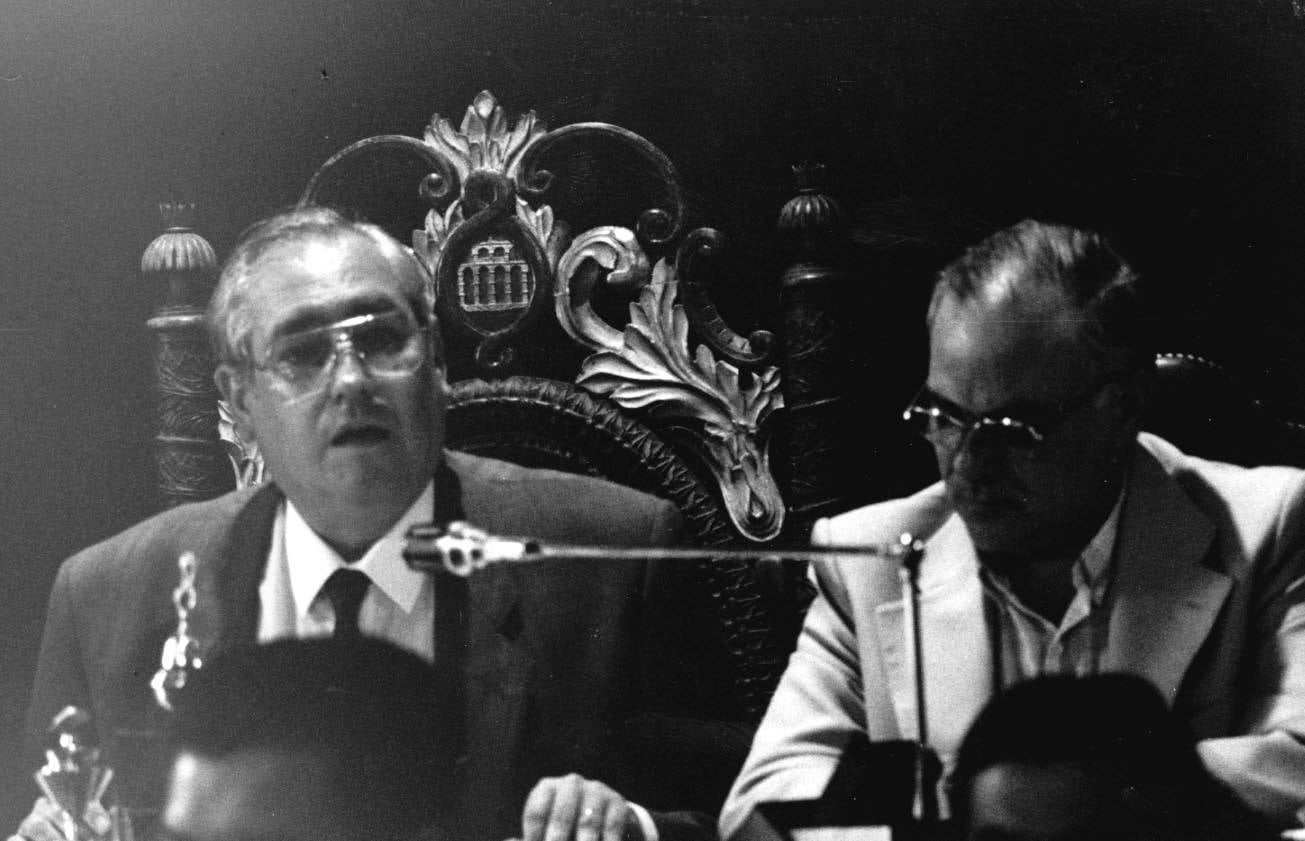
x=653, y=370
x=499, y=256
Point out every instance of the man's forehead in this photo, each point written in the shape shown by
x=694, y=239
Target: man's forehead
x=1009, y=312
x=305, y=282
x=1004, y=345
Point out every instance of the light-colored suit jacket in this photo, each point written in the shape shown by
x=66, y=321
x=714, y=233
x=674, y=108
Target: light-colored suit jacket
x=1209, y=605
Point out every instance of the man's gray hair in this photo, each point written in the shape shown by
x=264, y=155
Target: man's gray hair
x=1080, y=264
x=228, y=317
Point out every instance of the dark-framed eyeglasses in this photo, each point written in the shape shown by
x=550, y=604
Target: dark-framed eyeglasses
x=948, y=427
x=388, y=344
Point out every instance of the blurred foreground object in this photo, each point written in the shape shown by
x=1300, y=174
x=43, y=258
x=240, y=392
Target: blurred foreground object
x=75, y=779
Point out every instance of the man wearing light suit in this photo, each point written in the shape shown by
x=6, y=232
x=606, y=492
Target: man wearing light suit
x=1060, y=540
x=331, y=363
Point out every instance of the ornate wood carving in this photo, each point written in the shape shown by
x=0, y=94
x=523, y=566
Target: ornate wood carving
x=190, y=461
x=696, y=249
x=498, y=253
x=651, y=369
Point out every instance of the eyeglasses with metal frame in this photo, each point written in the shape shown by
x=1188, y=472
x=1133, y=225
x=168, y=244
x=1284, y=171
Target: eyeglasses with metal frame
x=389, y=344
x=949, y=427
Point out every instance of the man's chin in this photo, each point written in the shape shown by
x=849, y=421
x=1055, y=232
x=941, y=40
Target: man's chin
x=364, y=467
x=995, y=527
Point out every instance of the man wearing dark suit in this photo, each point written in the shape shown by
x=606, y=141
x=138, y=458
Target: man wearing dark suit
x=1059, y=541
x=330, y=363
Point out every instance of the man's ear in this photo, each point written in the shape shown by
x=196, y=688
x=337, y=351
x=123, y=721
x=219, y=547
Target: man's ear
x=234, y=387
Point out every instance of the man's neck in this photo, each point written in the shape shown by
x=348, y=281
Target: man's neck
x=1044, y=585
x=352, y=530
x=1043, y=579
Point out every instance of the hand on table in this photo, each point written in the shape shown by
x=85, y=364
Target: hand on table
x=573, y=808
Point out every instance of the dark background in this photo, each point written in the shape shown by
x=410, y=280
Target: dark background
x=1178, y=127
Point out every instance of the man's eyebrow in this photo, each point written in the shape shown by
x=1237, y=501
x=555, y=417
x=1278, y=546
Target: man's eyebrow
x=307, y=318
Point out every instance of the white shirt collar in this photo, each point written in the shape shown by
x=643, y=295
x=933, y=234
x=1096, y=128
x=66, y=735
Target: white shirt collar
x=310, y=560
x=1094, y=568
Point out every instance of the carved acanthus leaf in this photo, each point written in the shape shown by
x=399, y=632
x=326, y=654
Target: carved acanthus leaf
x=653, y=370
x=550, y=232
x=429, y=243
x=484, y=141
x=246, y=460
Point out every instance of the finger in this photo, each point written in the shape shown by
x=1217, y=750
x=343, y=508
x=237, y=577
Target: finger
x=618, y=819
x=593, y=813
x=566, y=808
x=539, y=803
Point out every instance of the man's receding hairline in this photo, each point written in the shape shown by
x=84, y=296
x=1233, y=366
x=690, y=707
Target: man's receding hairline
x=235, y=317
x=390, y=249
x=1026, y=302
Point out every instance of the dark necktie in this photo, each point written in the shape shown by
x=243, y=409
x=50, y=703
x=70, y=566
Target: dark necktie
x=346, y=588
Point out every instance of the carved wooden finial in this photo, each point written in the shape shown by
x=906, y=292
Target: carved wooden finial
x=812, y=213
x=181, y=258
x=190, y=460
x=178, y=215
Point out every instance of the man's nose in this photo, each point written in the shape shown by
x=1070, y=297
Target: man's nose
x=348, y=373
x=980, y=452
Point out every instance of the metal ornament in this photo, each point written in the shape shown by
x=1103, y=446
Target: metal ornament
x=75, y=780
x=181, y=654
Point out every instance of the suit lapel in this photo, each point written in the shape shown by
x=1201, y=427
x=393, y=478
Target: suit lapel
x=957, y=649
x=1165, y=599
x=230, y=556
x=492, y=660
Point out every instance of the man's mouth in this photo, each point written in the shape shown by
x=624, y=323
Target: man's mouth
x=361, y=434
x=989, y=499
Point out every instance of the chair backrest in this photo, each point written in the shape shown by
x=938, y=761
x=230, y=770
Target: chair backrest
x=1199, y=407
x=579, y=335
x=552, y=424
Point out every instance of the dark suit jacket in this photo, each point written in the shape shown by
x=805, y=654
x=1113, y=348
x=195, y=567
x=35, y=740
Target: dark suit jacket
x=549, y=659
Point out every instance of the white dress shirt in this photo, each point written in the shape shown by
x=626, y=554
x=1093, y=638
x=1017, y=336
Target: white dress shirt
x=398, y=607
x=1027, y=645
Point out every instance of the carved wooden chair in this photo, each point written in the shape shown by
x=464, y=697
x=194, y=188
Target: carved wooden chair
x=580, y=336
x=1203, y=410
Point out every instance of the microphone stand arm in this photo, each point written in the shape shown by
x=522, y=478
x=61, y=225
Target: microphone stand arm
x=460, y=549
